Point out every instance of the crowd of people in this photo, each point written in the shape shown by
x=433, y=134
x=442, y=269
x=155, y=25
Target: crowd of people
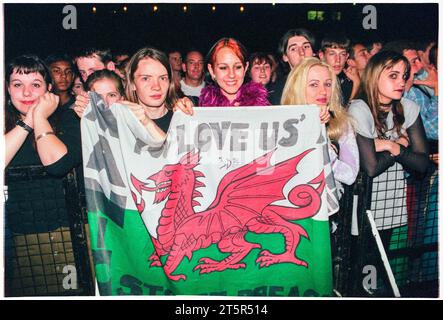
x=379, y=101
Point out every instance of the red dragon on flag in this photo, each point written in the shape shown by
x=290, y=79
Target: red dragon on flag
x=243, y=204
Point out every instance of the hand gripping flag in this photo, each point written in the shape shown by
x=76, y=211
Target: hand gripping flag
x=234, y=202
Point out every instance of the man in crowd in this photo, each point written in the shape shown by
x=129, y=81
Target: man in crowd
x=61, y=70
x=92, y=60
x=193, y=68
x=335, y=52
x=358, y=57
x=423, y=49
x=294, y=46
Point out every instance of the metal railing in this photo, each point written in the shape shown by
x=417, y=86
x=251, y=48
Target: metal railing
x=46, y=250
x=405, y=207
x=46, y=244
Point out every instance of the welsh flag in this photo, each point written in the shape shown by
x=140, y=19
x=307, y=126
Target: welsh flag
x=234, y=202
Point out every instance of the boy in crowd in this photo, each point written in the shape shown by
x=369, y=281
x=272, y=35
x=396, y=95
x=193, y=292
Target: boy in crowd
x=358, y=57
x=61, y=70
x=335, y=52
x=193, y=68
x=294, y=46
x=92, y=60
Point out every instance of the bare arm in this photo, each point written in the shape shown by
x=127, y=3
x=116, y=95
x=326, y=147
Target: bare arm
x=149, y=125
x=15, y=138
x=49, y=147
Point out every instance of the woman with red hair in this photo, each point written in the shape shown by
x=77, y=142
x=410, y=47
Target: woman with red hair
x=227, y=65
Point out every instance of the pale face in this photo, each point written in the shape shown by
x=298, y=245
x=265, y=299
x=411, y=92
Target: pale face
x=151, y=83
x=297, y=49
x=361, y=56
x=25, y=90
x=62, y=76
x=108, y=90
x=229, y=72
x=414, y=60
x=336, y=58
x=319, y=86
x=392, y=83
x=175, y=59
x=88, y=65
x=193, y=67
x=261, y=72
x=77, y=87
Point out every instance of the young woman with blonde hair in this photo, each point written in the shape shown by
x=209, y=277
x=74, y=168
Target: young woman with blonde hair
x=314, y=82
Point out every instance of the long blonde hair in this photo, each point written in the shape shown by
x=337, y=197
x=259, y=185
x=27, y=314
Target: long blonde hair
x=294, y=93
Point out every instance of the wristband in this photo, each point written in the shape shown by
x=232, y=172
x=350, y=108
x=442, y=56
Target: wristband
x=24, y=126
x=44, y=134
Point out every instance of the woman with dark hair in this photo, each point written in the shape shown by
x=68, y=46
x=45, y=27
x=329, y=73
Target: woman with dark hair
x=390, y=135
x=260, y=70
x=35, y=132
x=227, y=65
x=42, y=146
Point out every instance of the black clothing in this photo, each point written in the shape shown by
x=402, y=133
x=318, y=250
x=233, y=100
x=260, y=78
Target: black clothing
x=346, y=85
x=433, y=146
x=36, y=199
x=415, y=157
x=194, y=99
x=164, y=121
x=68, y=104
x=68, y=131
x=276, y=91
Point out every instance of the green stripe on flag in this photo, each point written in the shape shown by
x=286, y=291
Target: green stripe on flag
x=130, y=273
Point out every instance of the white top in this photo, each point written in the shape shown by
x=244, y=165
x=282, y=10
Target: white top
x=191, y=91
x=388, y=203
x=365, y=125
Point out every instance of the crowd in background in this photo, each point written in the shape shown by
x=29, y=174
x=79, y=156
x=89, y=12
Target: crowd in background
x=379, y=101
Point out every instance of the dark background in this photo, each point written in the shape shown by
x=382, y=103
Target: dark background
x=37, y=28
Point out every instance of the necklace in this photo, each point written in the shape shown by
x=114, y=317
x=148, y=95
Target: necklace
x=385, y=107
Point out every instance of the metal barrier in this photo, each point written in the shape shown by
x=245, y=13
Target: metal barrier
x=46, y=251
x=405, y=207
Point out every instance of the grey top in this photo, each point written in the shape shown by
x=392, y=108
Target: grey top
x=365, y=125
